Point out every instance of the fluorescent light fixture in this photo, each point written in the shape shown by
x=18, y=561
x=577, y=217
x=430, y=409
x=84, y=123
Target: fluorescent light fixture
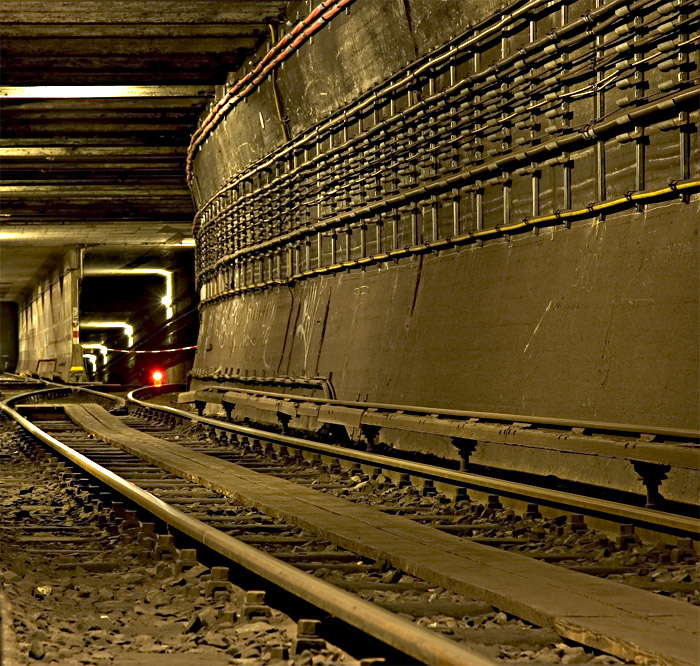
x=78, y=92
x=125, y=325
x=93, y=359
x=188, y=241
x=166, y=300
x=99, y=346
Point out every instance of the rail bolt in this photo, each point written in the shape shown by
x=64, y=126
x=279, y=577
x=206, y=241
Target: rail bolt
x=429, y=489
x=577, y=523
x=186, y=560
x=165, y=547
x=627, y=537
x=533, y=511
x=254, y=605
x=218, y=583
x=494, y=502
x=684, y=552
x=307, y=637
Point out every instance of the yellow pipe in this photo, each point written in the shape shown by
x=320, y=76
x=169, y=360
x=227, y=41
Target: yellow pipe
x=483, y=233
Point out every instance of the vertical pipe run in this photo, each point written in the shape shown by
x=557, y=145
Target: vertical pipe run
x=395, y=231
x=414, y=225
x=434, y=219
x=640, y=157
x=564, y=13
x=479, y=195
x=684, y=116
x=599, y=113
x=455, y=213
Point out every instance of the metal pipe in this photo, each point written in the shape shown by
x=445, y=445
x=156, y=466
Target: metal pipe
x=684, y=189
x=406, y=77
x=407, y=637
x=498, y=165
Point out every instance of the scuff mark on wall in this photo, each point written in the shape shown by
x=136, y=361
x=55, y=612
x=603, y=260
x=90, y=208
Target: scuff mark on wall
x=539, y=323
x=309, y=310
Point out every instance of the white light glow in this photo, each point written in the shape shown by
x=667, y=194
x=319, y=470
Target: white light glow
x=93, y=360
x=125, y=325
x=100, y=347
x=77, y=92
x=188, y=241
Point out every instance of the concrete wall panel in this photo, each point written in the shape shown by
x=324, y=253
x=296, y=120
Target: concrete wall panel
x=598, y=321
x=593, y=322
x=45, y=329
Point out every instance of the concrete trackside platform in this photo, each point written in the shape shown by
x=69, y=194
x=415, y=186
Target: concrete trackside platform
x=631, y=623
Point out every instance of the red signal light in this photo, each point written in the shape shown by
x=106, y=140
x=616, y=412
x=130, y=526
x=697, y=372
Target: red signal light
x=157, y=378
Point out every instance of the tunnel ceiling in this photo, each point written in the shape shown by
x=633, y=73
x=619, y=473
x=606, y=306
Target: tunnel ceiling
x=88, y=165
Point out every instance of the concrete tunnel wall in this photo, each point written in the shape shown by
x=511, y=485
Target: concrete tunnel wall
x=45, y=324
x=593, y=322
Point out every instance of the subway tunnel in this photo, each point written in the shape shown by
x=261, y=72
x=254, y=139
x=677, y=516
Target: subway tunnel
x=458, y=232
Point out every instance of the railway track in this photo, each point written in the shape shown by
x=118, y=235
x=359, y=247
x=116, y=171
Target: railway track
x=66, y=544
x=566, y=540
x=379, y=580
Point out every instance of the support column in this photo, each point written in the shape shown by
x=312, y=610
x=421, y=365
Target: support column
x=74, y=262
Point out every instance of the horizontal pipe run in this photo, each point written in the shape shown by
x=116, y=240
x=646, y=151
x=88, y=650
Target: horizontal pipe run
x=407, y=637
x=569, y=142
x=686, y=187
x=406, y=76
x=491, y=416
x=591, y=506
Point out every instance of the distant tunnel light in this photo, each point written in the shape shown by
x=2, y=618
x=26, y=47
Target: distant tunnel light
x=188, y=241
x=93, y=360
x=99, y=346
x=157, y=378
x=128, y=328
x=166, y=300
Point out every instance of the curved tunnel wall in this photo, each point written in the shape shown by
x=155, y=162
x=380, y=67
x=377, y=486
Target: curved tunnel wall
x=595, y=319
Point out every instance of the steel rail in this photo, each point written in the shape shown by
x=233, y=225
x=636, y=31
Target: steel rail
x=120, y=402
x=487, y=416
x=411, y=639
x=615, y=511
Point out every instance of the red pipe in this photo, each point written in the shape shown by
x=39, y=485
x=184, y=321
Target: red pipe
x=286, y=46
